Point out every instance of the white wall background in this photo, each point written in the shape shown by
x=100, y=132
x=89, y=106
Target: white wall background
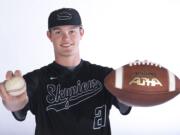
x=116, y=32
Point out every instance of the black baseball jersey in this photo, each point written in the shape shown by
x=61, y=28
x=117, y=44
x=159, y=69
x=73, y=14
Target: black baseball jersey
x=70, y=101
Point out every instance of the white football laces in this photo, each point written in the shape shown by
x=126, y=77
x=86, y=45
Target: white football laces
x=145, y=62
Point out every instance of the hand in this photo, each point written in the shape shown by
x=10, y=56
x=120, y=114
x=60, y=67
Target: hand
x=13, y=103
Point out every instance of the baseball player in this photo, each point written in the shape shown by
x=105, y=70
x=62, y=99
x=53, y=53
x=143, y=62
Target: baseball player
x=67, y=96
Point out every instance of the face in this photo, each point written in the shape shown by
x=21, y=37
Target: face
x=66, y=40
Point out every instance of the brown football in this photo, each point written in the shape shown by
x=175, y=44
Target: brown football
x=142, y=84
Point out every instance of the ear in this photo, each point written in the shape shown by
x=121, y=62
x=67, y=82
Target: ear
x=81, y=32
x=49, y=35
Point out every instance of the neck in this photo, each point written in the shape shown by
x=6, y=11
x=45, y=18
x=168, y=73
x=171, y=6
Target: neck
x=70, y=61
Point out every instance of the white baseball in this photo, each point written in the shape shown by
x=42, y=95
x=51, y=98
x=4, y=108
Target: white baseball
x=15, y=86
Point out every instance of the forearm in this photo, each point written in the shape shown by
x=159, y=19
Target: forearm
x=16, y=105
x=124, y=109
x=21, y=114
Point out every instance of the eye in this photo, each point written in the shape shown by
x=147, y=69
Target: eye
x=57, y=32
x=72, y=31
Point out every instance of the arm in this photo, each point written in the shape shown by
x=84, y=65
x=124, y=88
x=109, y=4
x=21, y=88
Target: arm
x=21, y=114
x=124, y=109
x=19, y=105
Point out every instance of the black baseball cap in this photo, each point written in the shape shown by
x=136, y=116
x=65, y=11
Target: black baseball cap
x=64, y=16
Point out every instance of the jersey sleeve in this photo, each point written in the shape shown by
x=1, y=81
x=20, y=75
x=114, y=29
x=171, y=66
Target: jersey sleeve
x=21, y=115
x=124, y=109
x=32, y=82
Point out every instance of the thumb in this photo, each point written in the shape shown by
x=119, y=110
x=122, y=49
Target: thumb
x=9, y=75
x=3, y=93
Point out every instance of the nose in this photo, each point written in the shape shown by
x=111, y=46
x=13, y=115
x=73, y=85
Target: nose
x=65, y=37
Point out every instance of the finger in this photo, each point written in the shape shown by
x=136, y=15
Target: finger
x=17, y=73
x=3, y=92
x=0, y=89
x=9, y=75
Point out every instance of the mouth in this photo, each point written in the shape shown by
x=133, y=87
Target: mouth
x=66, y=45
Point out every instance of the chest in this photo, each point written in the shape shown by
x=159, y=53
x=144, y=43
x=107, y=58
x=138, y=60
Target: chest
x=70, y=91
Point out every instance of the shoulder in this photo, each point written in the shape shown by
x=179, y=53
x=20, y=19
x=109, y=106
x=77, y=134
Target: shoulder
x=37, y=73
x=34, y=78
x=97, y=68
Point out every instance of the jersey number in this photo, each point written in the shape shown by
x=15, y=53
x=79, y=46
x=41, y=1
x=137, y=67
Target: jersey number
x=100, y=117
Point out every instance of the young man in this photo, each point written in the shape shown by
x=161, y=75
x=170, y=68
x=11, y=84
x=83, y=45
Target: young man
x=68, y=96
